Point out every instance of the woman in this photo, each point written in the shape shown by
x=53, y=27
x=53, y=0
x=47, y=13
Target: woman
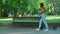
x=43, y=17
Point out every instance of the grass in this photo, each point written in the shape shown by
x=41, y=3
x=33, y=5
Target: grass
x=50, y=19
x=6, y=20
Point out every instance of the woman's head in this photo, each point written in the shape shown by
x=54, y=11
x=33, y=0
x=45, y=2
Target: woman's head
x=41, y=5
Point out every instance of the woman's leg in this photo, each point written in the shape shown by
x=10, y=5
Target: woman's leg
x=44, y=20
x=40, y=22
x=45, y=23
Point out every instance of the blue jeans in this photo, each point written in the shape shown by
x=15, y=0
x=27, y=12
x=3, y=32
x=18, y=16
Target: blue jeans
x=43, y=18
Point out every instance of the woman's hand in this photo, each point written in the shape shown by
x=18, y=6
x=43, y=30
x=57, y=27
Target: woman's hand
x=40, y=12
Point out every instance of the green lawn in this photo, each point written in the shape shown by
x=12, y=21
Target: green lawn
x=6, y=20
x=50, y=19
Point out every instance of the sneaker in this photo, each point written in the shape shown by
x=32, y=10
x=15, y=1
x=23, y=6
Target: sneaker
x=46, y=30
x=38, y=29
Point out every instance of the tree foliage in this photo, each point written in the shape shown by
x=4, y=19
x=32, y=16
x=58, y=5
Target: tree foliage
x=25, y=7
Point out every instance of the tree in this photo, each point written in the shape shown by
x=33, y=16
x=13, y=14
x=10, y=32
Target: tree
x=5, y=9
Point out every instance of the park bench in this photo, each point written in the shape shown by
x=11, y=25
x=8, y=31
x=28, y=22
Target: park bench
x=26, y=22
x=53, y=25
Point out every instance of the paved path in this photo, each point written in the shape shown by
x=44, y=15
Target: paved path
x=27, y=31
